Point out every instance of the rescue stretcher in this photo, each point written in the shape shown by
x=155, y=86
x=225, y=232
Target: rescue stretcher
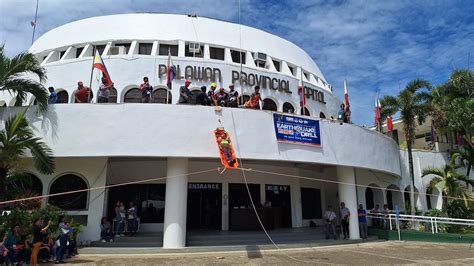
x=226, y=150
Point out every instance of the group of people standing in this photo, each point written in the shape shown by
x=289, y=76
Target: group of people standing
x=124, y=218
x=345, y=214
x=40, y=245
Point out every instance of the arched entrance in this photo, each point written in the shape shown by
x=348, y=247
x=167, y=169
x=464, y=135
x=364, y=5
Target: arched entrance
x=394, y=197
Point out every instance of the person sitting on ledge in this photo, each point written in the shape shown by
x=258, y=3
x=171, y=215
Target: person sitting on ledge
x=254, y=101
x=147, y=90
x=82, y=93
x=211, y=94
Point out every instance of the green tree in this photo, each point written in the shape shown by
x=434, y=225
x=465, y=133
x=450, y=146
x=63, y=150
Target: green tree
x=450, y=183
x=17, y=138
x=466, y=157
x=16, y=77
x=413, y=104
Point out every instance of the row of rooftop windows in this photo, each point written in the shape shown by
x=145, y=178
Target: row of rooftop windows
x=196, y=50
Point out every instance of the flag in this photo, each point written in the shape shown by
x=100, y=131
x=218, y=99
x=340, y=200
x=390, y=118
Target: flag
x=171, y=71
x=346, y=94
x=378, y=109
x=302, y=97
x=99, y=64
x=390, y=123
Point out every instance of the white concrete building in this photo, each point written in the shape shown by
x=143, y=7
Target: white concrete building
x=107, y=144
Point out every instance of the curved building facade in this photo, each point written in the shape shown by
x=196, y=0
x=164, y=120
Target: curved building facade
x=98, y=146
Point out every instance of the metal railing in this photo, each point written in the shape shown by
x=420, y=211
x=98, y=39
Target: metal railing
x=391, y=219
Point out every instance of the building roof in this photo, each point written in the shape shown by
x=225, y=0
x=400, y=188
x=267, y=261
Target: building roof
x=173, y=27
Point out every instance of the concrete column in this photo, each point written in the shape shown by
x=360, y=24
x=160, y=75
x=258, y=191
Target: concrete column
x=174, y=229
x=296, y=210
x=225, y=206
x=348, y=195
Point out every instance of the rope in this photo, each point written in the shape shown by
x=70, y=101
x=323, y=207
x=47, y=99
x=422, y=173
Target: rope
x=104, y=187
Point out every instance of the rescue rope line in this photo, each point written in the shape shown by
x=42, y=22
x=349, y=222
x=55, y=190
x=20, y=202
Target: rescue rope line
x=106, y=186
x=252, y=202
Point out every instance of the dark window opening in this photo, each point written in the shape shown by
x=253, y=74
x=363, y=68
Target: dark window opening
x=133, y=95
x=145, y=48
x=63, y=96
x=126, y=45
x=236, y=56
x=279, y=198
x=164, y=48
x=306, y=75
x=100, y=49
x=369, y=199
x=161, y=95
x=292, y=70
x=61, y=54
x=305, y=112
x=216, y=53
x=270, y=105
x=73, y=201
x=79, y=51
x=322, y=115
x=288, y=108
x=277, y=65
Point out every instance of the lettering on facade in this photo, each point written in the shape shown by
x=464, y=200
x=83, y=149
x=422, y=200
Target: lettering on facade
x=277, y=188
x=203, y=186
x=208, y=74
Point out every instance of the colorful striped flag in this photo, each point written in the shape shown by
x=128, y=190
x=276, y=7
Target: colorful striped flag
x=99, y=64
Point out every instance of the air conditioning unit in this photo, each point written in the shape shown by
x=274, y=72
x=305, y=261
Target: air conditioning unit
x=116, y=50
x=260, y=57
x=194, y=47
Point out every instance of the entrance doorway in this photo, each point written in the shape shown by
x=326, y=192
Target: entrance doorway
x=204, y=206
x=279, y=197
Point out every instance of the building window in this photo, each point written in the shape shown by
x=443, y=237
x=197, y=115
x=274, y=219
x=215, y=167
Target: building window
x=306, y=75
x=160, y=95
x=79, y=51
x=277, y=65
x=100, y=49
x=172, y=48
x=305, y=111
x=63, y=96
x=292, y=70
x=133, y=95
x=288, y=108
x=194, y=50
x=126, y=45
x=145, y=48
x=236, y=55
x=270, y=105
x=216, y=53
x=73, y=201
x=322, y=115
x=61, y=54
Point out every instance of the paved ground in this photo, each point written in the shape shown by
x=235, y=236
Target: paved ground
x=389, y=252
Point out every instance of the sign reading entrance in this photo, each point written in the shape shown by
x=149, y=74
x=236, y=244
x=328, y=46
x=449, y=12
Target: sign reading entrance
x=203, y=186
x=297, y=130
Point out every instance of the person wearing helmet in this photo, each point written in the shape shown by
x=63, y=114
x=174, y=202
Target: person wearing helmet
x=184, y=93
x=212, y=94
x=254, y=102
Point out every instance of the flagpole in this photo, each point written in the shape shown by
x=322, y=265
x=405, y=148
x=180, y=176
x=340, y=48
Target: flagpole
x=167, y=77
x=302, y=93
x=34, y=23
x=92, y=74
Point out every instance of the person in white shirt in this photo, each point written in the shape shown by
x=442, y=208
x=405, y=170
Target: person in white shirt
x=376, y=212
x=345, y=216
x=330, y=219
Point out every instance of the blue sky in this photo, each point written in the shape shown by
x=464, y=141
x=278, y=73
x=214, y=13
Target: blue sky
x=375, y=45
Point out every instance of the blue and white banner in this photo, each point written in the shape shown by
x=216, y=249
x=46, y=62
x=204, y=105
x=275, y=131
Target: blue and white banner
x=297, y=130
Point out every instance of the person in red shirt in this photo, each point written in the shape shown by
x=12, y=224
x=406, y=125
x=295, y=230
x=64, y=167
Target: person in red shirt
x=255, y=99
x=82, y=93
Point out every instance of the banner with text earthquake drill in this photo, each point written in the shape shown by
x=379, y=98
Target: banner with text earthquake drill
x=297, y=130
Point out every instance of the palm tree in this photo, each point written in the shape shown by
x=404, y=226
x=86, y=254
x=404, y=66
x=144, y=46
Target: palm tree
x=466, y=156
x=15, y=78
x=15, y=139
x=449, y=182
x=413, y=105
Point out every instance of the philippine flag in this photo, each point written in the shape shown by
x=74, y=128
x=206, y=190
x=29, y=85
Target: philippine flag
x=99, y=64
x=302, y=97
x=171, y=71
